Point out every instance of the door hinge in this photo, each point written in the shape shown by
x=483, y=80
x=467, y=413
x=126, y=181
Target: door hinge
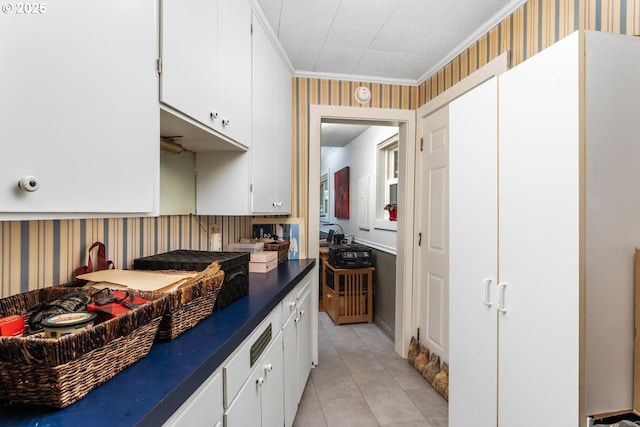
x=251, y=28
x=250, y=188
x=420, y=239
x=418, y=334
x=159, y=65
x=421, y=143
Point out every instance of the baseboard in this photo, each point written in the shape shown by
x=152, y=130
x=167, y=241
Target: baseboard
x=384, y=328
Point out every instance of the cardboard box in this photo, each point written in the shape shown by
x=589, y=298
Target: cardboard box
x=264, y=256
x=263, y=267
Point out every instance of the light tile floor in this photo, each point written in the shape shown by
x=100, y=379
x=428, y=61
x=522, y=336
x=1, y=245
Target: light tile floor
x=361, y=381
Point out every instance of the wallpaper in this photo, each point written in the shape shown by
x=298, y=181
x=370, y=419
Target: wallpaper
x=34, y=254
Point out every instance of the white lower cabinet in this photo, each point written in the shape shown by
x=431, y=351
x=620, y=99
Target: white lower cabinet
x=260, y=400
x=303, y=336
x=296, y=331
x=204, y=407
x=261, y=383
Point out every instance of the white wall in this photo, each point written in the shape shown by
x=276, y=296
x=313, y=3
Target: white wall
x=361, y=157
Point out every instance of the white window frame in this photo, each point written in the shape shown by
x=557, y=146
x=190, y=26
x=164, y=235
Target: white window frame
x=385, y=178
x=324, y=184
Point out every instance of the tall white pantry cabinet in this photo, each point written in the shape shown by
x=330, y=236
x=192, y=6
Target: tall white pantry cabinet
x=545, y=216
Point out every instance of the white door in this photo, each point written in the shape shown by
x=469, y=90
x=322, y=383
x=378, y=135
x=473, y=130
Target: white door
x=539, y=242
x=473, y=261
x=432, y=292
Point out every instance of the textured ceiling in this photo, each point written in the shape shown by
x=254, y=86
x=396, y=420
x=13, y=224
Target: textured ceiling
x=379, y=40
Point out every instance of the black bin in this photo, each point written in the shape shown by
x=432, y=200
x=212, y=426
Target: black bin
x=234, y=264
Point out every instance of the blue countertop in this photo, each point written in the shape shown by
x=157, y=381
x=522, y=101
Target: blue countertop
x=148, y=392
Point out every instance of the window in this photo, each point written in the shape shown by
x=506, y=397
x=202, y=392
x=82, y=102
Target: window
x=387, y=182
x=324, y=195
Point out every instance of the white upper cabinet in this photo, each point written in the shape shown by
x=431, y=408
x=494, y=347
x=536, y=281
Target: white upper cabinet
x=257, y=181
x=78, y=110
x=205, y=67
x=189, y=56
x=271, y=112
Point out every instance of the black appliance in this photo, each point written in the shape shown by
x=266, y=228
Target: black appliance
x=350, y=256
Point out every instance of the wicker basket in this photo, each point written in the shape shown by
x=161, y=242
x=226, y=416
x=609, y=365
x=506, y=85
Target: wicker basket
x=58, y=372
x=282, y=247
x=192, y=303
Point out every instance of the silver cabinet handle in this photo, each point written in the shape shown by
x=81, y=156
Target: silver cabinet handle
x=268, y=367
x=501, y=290
x=486, y=298
x=225, y=122
x=260, y=381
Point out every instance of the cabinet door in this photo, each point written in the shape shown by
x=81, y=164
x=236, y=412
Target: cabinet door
x=233, y=82
x=222, y=183
x=282, y=137
x=271, y=115
x=273, y=386
x=189, y=57
x=539, y=239
x=204, y=407
x=245, y=410
x=290, y=357
x=304, y=341
x=78, y=109
x=473, y=240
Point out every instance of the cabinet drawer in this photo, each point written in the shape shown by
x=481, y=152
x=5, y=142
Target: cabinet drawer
x=239, y=367
x=289, y=305
x=290, y=302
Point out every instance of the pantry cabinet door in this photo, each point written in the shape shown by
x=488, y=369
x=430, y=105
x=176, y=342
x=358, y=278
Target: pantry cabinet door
x=539, y=240
x=78, y=110
x=473, y=259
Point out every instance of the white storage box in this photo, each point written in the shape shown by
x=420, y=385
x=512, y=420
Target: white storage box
x=246, y=247
x=262, y=267
x=264, y=256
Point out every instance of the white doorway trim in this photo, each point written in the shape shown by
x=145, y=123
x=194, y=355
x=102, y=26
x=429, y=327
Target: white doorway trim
x=493, y=68
x=405, y=120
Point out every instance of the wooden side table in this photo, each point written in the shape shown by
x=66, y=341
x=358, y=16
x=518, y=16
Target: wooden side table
x=350, y=300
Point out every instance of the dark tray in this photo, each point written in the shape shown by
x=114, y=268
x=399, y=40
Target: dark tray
x=234, y=264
